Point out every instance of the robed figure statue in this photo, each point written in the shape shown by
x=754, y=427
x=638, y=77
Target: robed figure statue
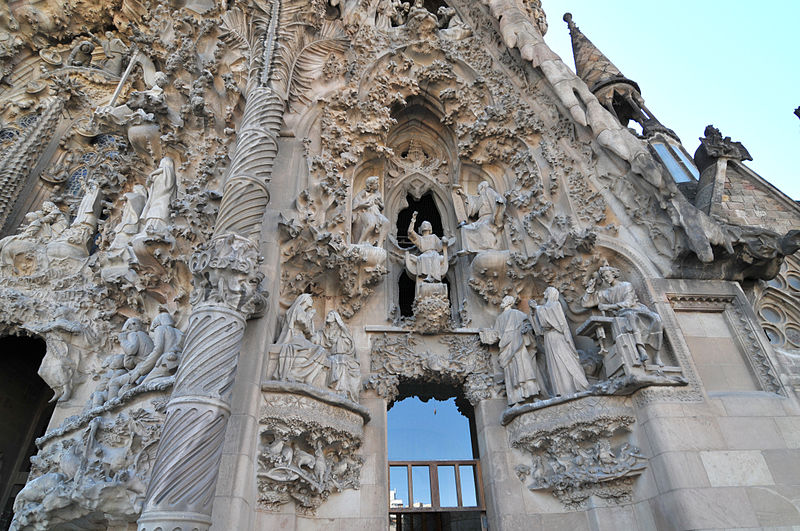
x=512, y=333
x=563, y=363
x=300, y=358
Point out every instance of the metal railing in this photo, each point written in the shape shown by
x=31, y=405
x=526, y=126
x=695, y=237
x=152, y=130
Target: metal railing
x=462, y=478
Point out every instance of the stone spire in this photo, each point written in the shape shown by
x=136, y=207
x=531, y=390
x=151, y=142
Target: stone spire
x=591, y=65
x=620, y=95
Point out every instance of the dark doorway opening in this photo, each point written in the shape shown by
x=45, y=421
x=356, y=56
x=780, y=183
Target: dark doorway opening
x=24, y=414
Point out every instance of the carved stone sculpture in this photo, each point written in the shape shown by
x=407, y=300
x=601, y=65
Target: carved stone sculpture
x=431, y=300
x=162, y=187
x=488, y=207
x=106, y=467
x=307, y=451
x=579, y=450
x=162, y=360
x=370, y=226
x=128, y=225
x=71, y=247
x=300, y=358
x=81, y=54
x=60, y=364
x=431, y=264
x=512, y=332
x=620, y=299
x=563, y=363
x=136, y=345
x=344, y=371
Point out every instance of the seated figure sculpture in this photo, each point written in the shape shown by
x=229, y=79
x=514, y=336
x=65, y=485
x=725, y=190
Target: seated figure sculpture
x=488, y=207
x=300, y=359
x=620, y=299
x=162, y=361
x=431, y=264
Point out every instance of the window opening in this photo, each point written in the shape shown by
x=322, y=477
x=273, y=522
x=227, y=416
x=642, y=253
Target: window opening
x=677, y=166
x=434, y=471
x=24, y=414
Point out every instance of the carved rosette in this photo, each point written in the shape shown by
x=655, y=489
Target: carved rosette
x=454, y=359
x=307, y=450
x=579, y=449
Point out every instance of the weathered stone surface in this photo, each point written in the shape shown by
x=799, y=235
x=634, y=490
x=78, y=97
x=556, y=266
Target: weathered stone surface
x=243, y=230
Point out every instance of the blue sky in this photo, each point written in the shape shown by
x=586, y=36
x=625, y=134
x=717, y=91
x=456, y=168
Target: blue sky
x=425, y=431
x=728, y=63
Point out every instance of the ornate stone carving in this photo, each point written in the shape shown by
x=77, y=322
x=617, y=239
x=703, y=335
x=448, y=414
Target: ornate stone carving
x=99, y=475
x=307, y=451
x=226, y=272
x=579, y=450
x=455, y=359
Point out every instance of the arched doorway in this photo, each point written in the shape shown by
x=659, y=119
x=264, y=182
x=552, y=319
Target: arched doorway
x=434, y=467
x=24, y=414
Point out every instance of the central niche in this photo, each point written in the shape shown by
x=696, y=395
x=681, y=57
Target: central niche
x=419, y=176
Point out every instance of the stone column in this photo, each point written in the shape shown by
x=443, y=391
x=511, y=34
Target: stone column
x=226, y=293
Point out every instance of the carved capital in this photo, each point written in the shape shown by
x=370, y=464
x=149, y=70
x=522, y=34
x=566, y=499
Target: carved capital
x=225, y=272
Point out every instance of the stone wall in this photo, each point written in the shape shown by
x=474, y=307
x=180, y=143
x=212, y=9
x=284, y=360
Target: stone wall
x=745, y=201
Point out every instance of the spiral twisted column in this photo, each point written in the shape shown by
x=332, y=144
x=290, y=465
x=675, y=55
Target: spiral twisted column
x=226, y=281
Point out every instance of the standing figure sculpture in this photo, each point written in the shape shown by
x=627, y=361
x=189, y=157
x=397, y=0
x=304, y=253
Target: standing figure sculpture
x=620, y=299
x=488, y=206
x=300, y=358
x=128, y=225
x=431, y=264
x=563, y=363
x=370, y=226
x=512, y=332
x=344, y=375
x=162, y=185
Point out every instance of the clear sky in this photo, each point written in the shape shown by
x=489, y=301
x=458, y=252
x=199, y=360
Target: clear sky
x=426, y=431
x=733, y=64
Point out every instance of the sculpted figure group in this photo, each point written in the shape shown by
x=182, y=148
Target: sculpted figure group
x=325, y=358
x=513, y=332
x=146, y=358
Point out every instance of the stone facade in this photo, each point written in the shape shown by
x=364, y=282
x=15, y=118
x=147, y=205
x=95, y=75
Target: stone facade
x=234, y=234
